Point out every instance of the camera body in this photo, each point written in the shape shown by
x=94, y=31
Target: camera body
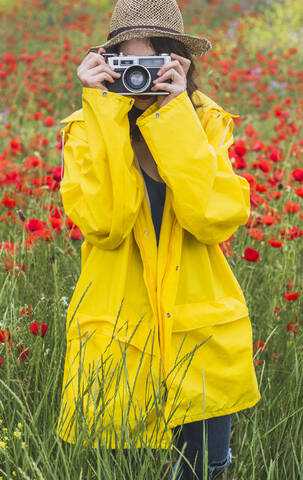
x=137, y=73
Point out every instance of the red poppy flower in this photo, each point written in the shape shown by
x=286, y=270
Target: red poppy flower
x=34, y=224
x=258, y=145
x=9, y=202
x=263, y=164
x=250, y=178
x=32, y=161
x=57, y=174
x=240, y=147
x=76, y=233
x=275, y=154
x=15, y=145
x=253, y=200
x=292, y=327
x=26, y=312
x=291, y=207
x=291, y=296
x=259, y=346
x=56, y=223
x=240, y=163
x=275, y=243
x=278, y=175
x=251, y=255
x=37, y=328
x=268, y=219
x=261, y=188
x=277, y=309
x=258, y=362
x=256, y=233
x=299, y=192
x=292, y=233
x=24, y=353
x=4, y=335
x=297, y=173
x=49, y=121
x=37, y=116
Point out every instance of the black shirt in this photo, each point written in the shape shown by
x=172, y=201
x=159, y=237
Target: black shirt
x=156, y=191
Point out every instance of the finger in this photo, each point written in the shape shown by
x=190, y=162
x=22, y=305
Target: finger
x=172, y=74
x=88, y=60
x=93, y=59
x=102, y=68
x=167, y=87
x=170, y=65
x=182, y=60
x=185, y=62
x=183, y=67
x=164, y=67
x=101, y=78
x=92, y=69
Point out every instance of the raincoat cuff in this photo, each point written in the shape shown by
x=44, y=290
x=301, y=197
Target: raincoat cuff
x=104, y=96
x=172, y=113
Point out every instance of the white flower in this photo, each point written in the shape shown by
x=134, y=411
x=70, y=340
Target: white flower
x=64, y=300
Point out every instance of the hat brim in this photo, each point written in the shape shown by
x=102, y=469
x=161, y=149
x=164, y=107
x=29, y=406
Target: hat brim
x=196, y=45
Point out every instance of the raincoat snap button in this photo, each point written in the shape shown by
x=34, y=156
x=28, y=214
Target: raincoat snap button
x=146, y=232
x=168, y=314
x=218, y=116
x=104, y=94
x=130, y=102
x=177, y=267
x=157, y=115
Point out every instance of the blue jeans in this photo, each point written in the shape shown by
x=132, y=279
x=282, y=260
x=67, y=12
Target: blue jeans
x=217, y=432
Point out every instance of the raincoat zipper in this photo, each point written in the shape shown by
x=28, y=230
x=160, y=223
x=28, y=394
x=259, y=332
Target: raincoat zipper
x=148, y=268
x=161, y=288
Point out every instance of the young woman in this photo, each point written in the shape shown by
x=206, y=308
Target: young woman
x=149, y=183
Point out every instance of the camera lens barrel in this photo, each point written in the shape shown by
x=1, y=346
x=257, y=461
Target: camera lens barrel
x=136, y=79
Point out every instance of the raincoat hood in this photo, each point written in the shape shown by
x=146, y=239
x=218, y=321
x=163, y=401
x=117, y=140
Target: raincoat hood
x=176, y=311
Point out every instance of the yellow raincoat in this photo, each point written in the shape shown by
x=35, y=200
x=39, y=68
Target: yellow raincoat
x=173, y=318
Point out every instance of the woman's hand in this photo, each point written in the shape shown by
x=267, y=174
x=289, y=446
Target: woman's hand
x=176, y=71
x=94, y=70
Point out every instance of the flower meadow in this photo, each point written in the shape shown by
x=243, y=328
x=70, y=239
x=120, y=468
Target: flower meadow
x=255, y=69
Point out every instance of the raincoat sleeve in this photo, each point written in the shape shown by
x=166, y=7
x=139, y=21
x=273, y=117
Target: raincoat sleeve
x=99, y=188
x=209, y=199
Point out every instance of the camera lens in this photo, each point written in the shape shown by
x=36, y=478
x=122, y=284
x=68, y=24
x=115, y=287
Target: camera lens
x=136, y=79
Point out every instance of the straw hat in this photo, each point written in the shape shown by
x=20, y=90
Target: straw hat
x=150, y=18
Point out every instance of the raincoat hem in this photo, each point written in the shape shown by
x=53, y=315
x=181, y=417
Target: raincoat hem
x=218, y=413
x=165, y=445
x=189, y=419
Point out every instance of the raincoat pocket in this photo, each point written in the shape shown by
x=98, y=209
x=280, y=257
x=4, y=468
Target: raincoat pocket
x=191, y=316
x=212, y=347
x=111, y=372
x=139, y=334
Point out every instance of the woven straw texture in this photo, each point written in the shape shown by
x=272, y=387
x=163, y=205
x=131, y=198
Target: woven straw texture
x=155, y=13
x=143, y=12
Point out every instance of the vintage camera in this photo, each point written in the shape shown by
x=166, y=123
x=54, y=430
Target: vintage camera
x=137, y=73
